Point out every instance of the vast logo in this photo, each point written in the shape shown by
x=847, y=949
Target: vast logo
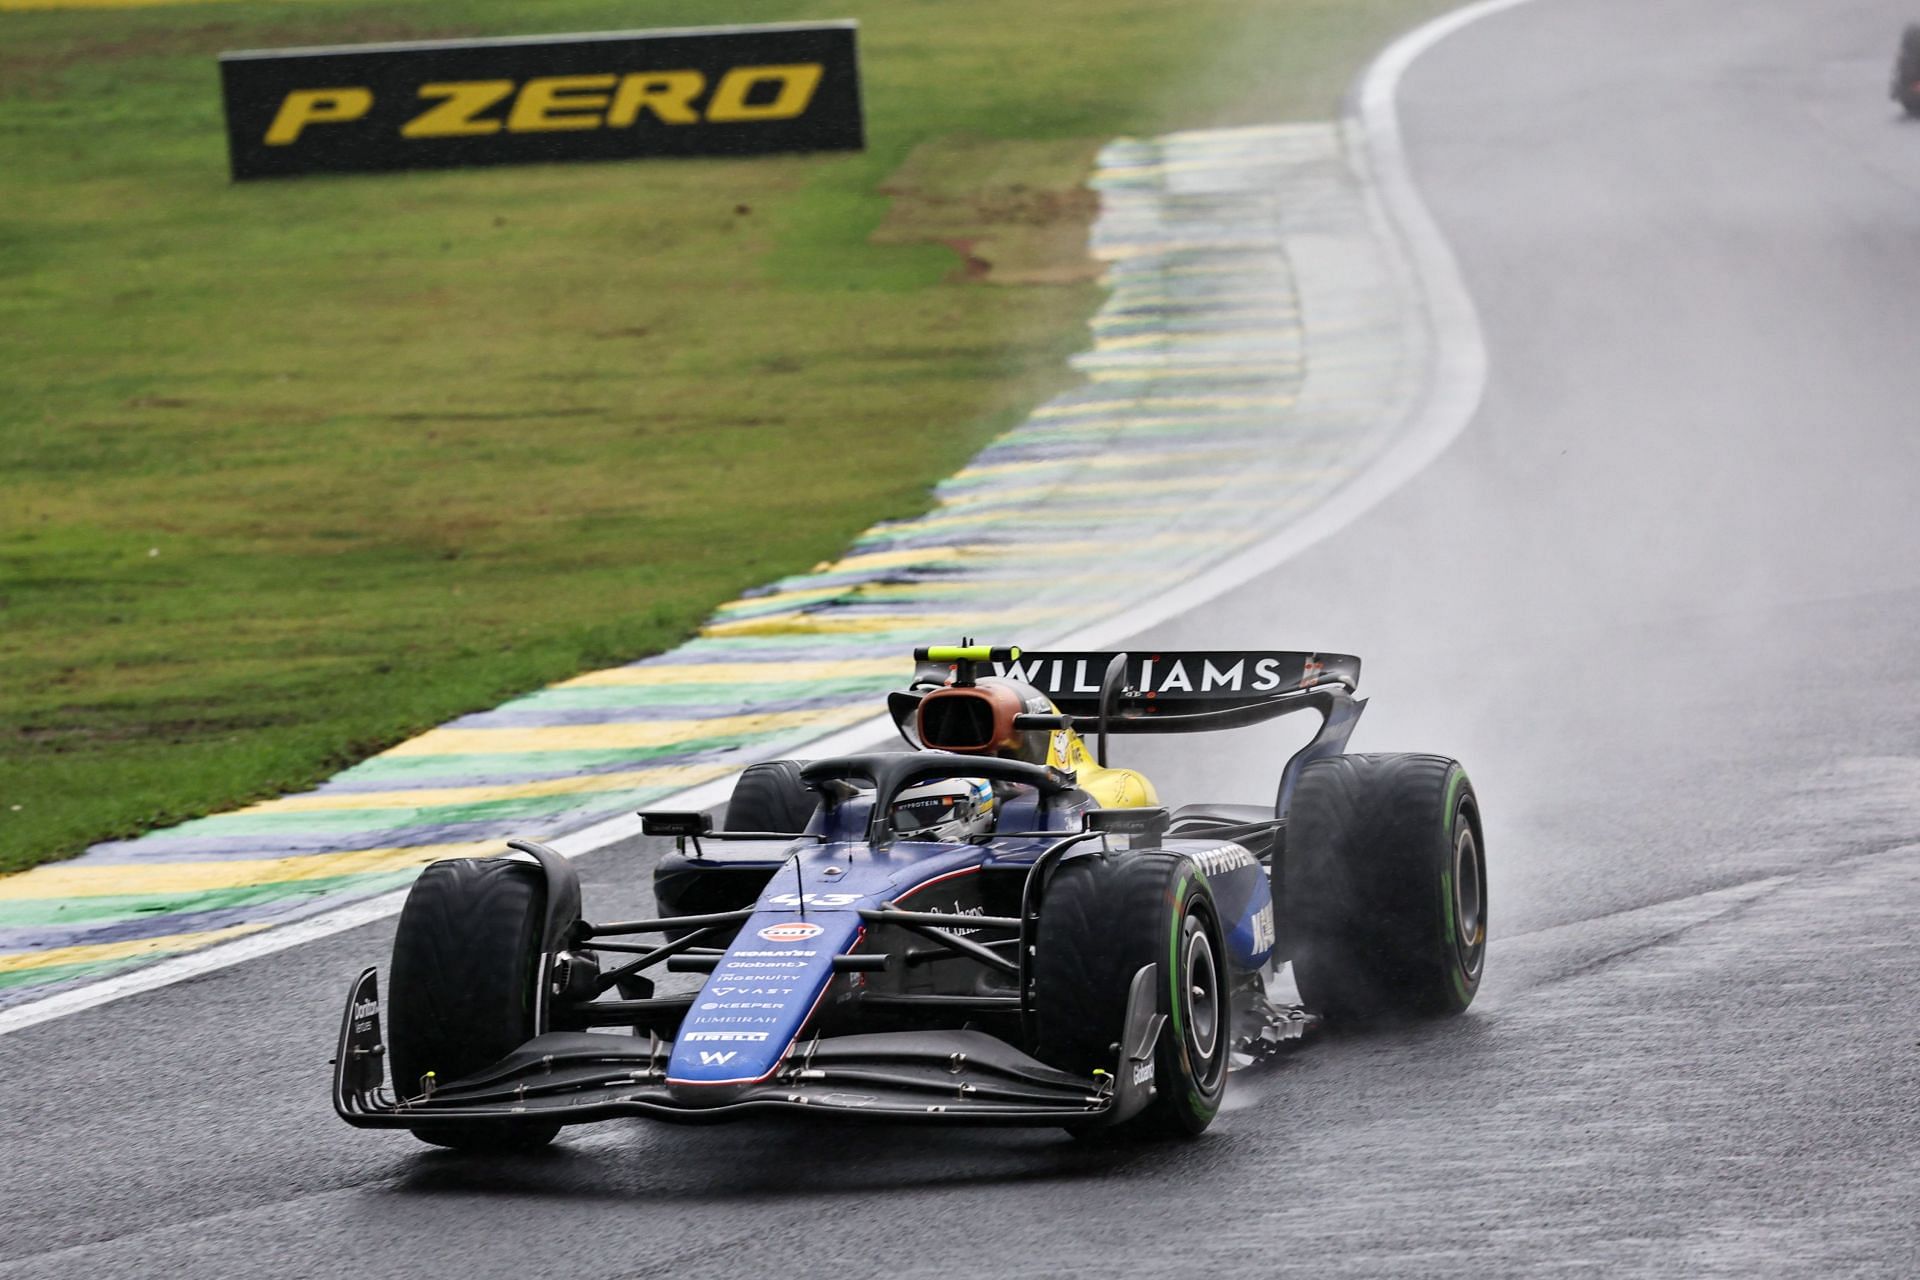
x=738, y=90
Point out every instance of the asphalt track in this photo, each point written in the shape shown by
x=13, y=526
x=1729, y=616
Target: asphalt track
x=1661, y=596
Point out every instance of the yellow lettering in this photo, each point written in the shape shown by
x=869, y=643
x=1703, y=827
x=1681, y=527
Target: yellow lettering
x=552, y=103
x=797, y=83
x=454, y=117
x=668, y=94
x=303, y=107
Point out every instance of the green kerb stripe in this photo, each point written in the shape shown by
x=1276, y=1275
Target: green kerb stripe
x=41, y=912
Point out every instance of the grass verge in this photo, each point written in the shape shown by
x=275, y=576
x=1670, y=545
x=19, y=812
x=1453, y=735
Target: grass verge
x=290, y=471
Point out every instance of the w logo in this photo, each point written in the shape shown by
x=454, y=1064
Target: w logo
x=709, y=1058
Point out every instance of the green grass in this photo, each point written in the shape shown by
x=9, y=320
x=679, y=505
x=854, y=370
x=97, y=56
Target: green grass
x=292, y=470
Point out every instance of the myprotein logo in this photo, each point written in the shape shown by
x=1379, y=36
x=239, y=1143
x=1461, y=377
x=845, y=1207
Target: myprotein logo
x=443, y=104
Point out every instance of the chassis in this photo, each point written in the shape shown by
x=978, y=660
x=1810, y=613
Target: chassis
x=1085, y=965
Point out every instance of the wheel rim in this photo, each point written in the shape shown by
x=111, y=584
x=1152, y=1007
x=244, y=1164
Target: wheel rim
x=1469, y=895
x=1202, y=993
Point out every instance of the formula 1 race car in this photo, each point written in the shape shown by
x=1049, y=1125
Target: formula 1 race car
x=995, y=926
x=1906, y=71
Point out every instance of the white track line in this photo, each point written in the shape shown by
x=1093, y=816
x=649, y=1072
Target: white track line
x=1457, y=381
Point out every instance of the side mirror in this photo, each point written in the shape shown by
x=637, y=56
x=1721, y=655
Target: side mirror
x=667, y=823
x=1152, y=822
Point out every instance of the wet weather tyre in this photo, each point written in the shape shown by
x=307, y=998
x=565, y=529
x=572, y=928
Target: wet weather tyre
x=771, y=797
x=1906, y=72
x=460, y=990
x=1104, y=917
x=1386, y=886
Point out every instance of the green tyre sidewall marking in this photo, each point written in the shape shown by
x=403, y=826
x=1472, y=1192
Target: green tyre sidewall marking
x=1202, y=1105
x=1173, y=973
x=1450, y=936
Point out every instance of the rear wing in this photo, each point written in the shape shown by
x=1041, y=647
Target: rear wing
x=1183, y=682
x=1187, y=691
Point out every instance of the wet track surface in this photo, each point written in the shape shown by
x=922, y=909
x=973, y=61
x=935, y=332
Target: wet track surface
x=1661, y=597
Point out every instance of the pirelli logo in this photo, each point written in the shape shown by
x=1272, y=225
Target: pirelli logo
x=369, y=108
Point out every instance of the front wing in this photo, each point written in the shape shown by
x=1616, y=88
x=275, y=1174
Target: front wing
x=964, y=1077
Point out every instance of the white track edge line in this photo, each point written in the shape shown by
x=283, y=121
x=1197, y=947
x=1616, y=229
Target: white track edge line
x=1453, y=395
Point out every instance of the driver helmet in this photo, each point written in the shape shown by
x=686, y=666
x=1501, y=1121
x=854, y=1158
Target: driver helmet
x=949, y=810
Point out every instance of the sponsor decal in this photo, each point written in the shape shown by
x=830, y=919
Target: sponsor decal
x=791, y=931
x=751, y=991
x=717, y=1057
x=1143, y=1072
x=1072, y=680
x=728, y=1019
x=815, y=899
x=772, y=954
x=772, y=968
x=366, y=1009
x=747, y=1036
x=976, y=909
x=1263, y=927
x=742, y=1004
x=741, y=90
x=1217, y=862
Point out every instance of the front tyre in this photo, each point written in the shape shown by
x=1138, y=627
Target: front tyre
x=771, y=797
x=1102, y=919
x=461, y=992
x=1386, y=881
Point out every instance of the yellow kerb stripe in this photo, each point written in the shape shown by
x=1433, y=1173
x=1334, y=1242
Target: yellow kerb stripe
x=428, y=797
x=1120, y=461
x=95, y=952
x=741, y=672
x=90, y=880
x=615, y=737
x=895, y=559
x=828, y=624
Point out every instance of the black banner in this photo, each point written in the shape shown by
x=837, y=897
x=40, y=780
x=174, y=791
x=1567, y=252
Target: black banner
x=731, y=91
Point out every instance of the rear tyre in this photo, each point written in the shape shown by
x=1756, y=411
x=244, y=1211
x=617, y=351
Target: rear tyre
x=1102, y=919
x=771, y=797
x=461, y=993
x=1386, y=882
x=1906, y=72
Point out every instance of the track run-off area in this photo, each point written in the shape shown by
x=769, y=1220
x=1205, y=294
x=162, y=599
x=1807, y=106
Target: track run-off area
x=1659, y=595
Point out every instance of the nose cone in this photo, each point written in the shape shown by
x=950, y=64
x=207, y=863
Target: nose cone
x=756, y=1003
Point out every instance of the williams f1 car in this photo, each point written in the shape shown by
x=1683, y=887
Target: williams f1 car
x=1906, y=71
x=995, y=926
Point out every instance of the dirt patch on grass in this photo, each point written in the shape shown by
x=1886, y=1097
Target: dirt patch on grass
x=1015, y=212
